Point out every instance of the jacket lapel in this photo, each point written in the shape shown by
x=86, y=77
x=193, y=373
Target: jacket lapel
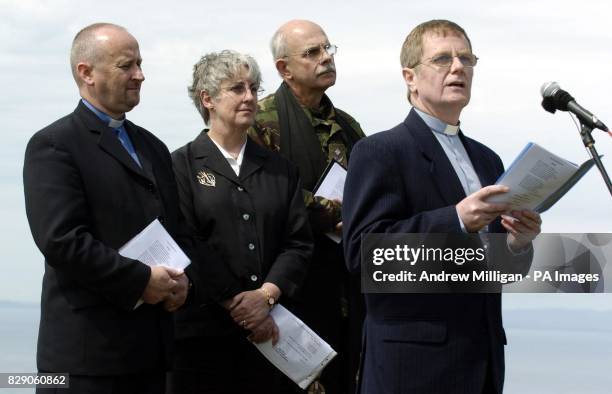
x=485, y=170
x=109, y=143
x=143, y=151
x=254, y=158
x=440, y=169
x=108, y=140
x=205, y=152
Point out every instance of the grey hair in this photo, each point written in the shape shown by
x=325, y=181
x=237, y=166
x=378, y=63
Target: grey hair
x=85, y=48
x=278, y=45
x=214, y=68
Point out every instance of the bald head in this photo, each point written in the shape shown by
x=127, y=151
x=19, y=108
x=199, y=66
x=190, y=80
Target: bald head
x=106, y=65
x=90, y=43
x=290, y=35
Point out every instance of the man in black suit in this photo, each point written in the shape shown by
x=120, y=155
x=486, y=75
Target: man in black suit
x=92, y=181
x=425, y=176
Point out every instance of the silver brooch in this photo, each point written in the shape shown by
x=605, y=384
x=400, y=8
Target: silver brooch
x=206, y=178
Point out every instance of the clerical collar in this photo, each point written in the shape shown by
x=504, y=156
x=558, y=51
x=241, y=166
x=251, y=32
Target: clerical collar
x=112, y=123
x=437, y=125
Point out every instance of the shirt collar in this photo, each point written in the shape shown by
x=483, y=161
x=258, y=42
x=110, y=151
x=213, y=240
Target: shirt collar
x=437, y=125
x=226, y=154
x=110, y=122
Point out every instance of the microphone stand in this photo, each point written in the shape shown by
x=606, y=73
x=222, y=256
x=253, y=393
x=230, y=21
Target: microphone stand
x=589, y=143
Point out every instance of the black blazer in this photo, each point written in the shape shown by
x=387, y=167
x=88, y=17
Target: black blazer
x=400, y=181
x=86, y=197
x=255, y=224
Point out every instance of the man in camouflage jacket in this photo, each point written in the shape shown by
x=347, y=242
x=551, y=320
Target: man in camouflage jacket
x=301, y=123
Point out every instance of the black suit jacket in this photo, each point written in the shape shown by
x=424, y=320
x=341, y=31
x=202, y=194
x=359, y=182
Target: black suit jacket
x=400, y=181
x=254, y=224
x=86, y=197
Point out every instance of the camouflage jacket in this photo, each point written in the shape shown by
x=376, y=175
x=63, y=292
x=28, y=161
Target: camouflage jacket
x=324, y=214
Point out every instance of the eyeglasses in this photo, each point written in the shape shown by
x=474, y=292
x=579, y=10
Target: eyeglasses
x=239, y=89
x=445, y=60
x=315, y=52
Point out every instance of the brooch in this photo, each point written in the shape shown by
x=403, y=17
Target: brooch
x=206, y=178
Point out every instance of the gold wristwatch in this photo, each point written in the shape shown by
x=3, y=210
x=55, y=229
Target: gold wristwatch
x=269, y=299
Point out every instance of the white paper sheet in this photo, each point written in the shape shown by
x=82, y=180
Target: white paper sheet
x=332, y=188
x=154, y=246
x=300, y=353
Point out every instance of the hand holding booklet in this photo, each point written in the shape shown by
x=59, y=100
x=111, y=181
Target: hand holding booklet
x=300, y=353
x=538, y=179
x=153, y=246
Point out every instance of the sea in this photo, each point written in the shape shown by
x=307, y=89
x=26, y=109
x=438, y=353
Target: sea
x=550, y=351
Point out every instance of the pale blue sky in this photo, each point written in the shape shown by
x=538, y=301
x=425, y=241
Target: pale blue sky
x=521, y=45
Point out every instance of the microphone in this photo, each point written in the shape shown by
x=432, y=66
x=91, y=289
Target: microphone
x=555, y=98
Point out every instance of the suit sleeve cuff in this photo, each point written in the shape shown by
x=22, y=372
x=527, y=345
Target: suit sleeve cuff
x=463, y=229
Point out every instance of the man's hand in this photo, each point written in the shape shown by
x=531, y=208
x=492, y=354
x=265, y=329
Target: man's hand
x=178, y=295
x=338, y=226
x=475, y=212
x=523, y=227
x=249, y=308
x=265, y=331
x=338, y=229
x=323, y=214
x=161, y=283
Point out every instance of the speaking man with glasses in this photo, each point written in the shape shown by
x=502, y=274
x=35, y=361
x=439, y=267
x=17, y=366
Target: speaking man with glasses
x=300, y=122
x=426, y=176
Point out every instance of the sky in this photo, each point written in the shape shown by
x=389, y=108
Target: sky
x=521, y=45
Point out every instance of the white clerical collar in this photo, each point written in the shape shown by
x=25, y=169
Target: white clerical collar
x=437, y=125
x=112, y=123
x=115, y=123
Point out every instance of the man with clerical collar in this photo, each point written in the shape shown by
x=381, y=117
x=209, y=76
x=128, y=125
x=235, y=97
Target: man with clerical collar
x=92, y=181
x=301, y=123
x=426, y=176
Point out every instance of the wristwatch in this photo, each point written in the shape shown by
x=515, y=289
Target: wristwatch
x=269, y=299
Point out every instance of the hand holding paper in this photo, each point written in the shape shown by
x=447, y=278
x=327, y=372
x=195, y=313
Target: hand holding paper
x=266, y=331
x=477, y=210
x=154, y=247
x=300, y=353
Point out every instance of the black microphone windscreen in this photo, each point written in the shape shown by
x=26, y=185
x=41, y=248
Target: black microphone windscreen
x=549, y=104
x=562, y=98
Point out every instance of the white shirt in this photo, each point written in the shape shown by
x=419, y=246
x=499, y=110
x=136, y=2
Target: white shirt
x=448, y=137
x=234, y=163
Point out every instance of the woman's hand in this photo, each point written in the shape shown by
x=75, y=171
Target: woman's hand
x=249, y=309
x=265, y=331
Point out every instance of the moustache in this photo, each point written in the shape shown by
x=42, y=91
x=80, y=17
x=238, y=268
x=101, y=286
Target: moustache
x=330, y=68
